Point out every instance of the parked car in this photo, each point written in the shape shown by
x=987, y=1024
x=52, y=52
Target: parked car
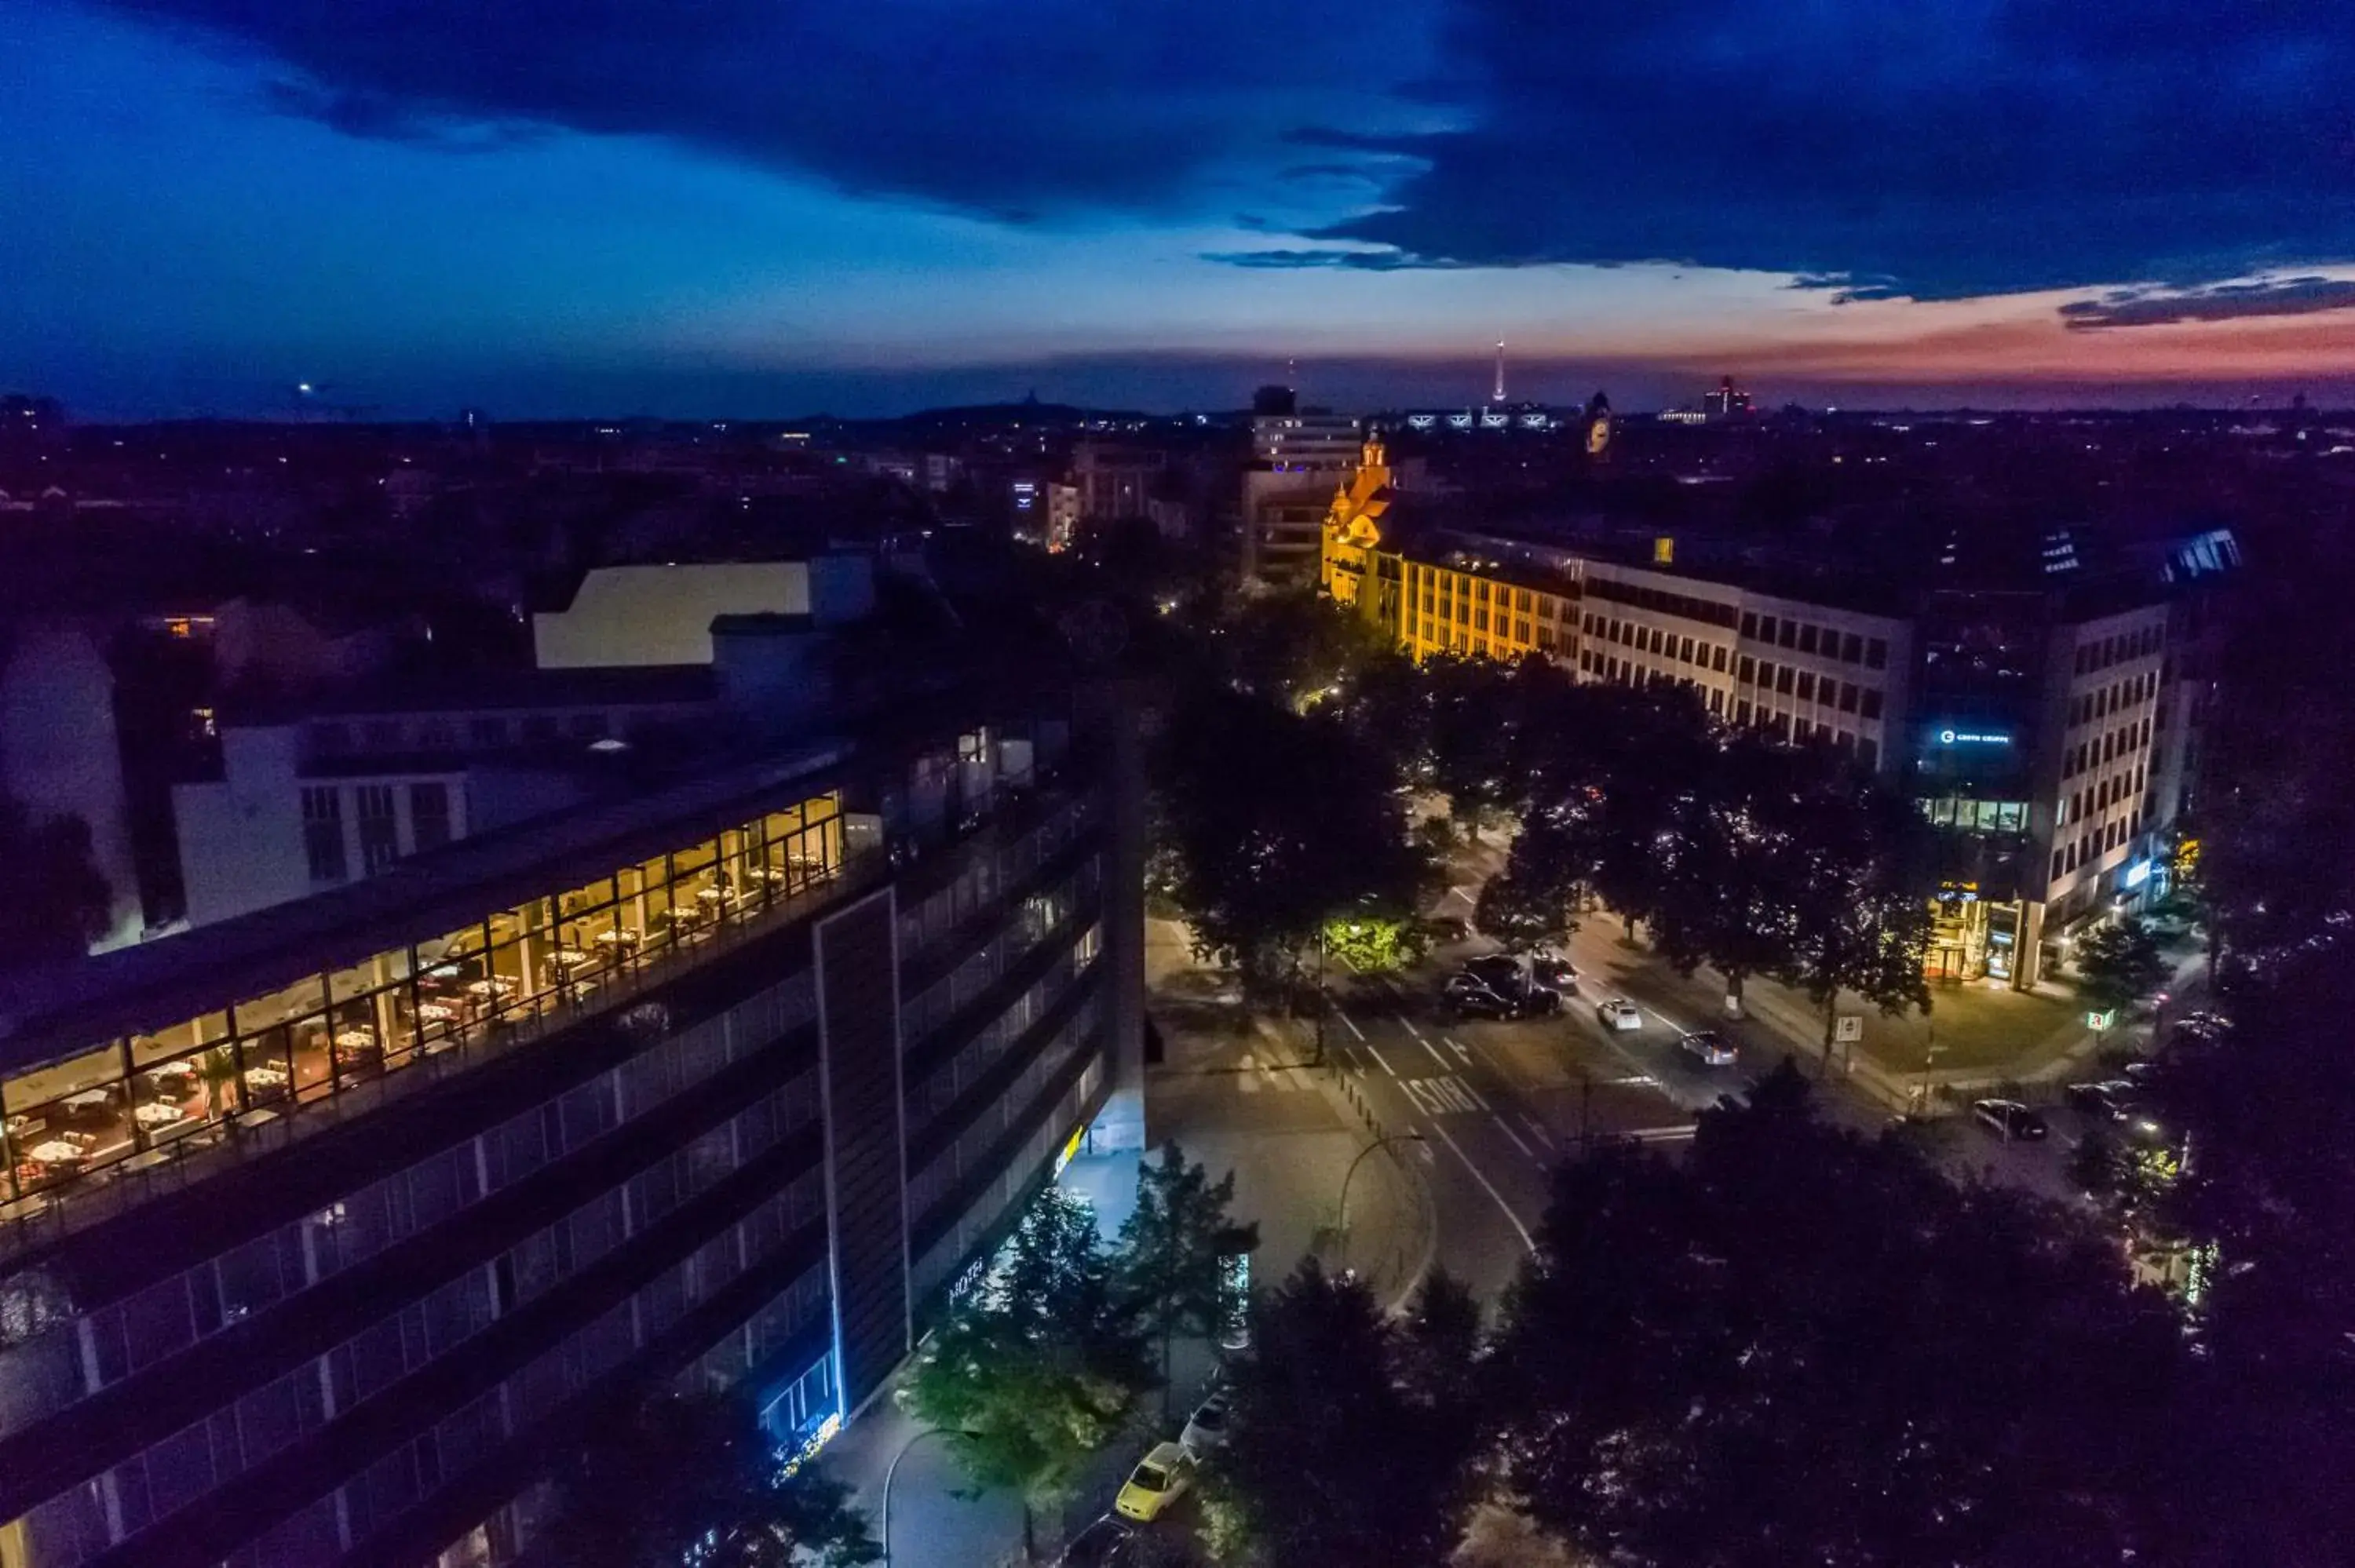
x=2009, y=1120
x=1550, y=967
x=1103, y=1545
x=1511, y=979
x=1710, y=1048
x=1206, y=1427
x=1618, y=1013
x=1467, y=996
x=1160, y=1479
x=2112, y=1101
x=2204, y=1027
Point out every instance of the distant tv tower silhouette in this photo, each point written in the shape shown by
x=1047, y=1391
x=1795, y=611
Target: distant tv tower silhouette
x=1497, y=396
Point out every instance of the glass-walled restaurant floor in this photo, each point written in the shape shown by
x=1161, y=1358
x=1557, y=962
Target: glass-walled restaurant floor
x=135, y=1102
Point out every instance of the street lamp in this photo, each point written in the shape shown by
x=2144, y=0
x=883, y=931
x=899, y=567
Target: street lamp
x=1341, y=1222
x=893, y=1471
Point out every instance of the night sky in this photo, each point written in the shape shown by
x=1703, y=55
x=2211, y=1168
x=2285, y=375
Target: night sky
x=771, y=206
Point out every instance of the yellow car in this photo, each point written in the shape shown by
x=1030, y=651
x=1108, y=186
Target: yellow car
x=1160, y=1479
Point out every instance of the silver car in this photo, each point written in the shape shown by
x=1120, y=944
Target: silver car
x=1618, y=1013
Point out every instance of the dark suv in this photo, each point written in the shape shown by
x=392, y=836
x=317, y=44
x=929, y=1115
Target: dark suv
x=1508, y=982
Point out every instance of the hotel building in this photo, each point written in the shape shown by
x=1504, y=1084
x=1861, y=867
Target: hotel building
x=324, y=1228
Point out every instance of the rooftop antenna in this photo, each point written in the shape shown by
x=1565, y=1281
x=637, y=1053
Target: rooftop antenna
x=1498, y=395
x=1292, y=373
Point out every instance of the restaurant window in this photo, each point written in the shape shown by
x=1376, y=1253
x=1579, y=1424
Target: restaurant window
x=379, y=828
x=282, y=1043
x=67, y=1117
x=323, y=833
x=429, y=815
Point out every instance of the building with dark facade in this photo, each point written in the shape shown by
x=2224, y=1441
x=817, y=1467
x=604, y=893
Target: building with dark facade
x=322, y=1227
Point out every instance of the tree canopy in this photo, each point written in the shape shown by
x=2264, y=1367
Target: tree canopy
x=1268, y=824
x=692, y=1477
x=1170, y=1268
x=1348, y=1435
x=1798, y=1346
x=1038, y=1367
x=2119, y=963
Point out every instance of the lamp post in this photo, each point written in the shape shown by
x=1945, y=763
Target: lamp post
x=1341, y=1222
x=892, y=1472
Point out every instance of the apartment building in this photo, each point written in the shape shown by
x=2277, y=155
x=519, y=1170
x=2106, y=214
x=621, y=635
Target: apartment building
x=323, y=1228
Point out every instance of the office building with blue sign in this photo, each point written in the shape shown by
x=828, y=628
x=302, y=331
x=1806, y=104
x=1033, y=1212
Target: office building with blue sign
x=2043, y=707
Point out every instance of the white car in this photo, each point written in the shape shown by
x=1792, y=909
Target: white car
x=1710, y=1048
x=1206, y=1427
x=1618, y=1013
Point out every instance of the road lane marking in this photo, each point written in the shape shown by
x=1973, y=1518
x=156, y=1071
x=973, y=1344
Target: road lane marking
x=1444, y=1065
x=1662, y=1133
x=1537, y=1129
x=1375, y=1052
x=1461, y=1050
x=1516, y=1139
x=1479, y=1099
x=1446, y=1093
x=1411, y=1029
x=1350, y=1022
x=1486, y=1186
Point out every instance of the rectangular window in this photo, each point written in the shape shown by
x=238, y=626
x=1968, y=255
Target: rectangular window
x=1749, y=623
x=1876, y=654
x=1766, y=628
x=1806, y=687
x=1685, y=650
x=1871, y=704
x=379, y=828
x=1851, y=649
x=1748, y=669
x=1782, y=680
x=1717, y=659
x=1868, y=751
x=1807, y=639
x=1847, y=697
x=323, y=833
x=430, y=815
x=488, y=731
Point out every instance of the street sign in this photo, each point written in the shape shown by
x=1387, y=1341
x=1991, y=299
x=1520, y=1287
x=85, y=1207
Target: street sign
x=1848, y=1027
x=2098, y=1021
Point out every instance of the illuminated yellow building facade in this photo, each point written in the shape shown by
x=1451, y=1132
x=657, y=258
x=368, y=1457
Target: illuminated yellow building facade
x=1428, y=608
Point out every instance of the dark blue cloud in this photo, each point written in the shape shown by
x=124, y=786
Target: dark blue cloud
x=1928, y=149
x=1019, y=110
x=2218, y=303
x=1923, y=148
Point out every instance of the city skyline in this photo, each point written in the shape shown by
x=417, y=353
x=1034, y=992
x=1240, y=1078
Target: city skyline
x=717, y=210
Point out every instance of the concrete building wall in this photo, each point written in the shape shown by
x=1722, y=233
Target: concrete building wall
x=663, y=615
x=61, y=754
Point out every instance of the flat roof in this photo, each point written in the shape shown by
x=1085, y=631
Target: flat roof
x=53, y=1012
x=592, y=686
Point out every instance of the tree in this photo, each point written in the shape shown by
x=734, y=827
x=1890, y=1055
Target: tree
x=2266, y=1187
x=2118, y=964
x=693, y=1477
x=1170, y=1270
x=1375, y=942
x=1039, y=1368
x=1268, y=824
x=1522, y=912
x=1798, y=1346
x=1862, y=893
x=1334, y=1459
x=59, y=902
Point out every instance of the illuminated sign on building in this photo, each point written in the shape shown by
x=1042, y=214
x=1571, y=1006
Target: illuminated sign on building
x=1972, y=737
x=2138, y=873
